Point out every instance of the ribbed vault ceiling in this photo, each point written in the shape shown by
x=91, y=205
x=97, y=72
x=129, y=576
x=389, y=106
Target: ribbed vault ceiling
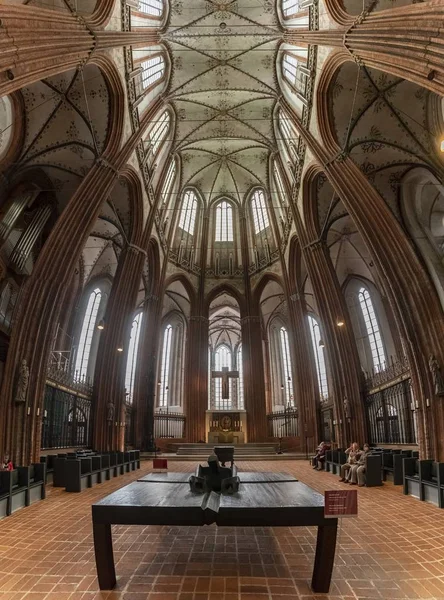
x=223, y=89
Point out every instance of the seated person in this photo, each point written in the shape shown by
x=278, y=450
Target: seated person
x=7, y=465
x=319, y=459
x=352, y=457
x=358, y=470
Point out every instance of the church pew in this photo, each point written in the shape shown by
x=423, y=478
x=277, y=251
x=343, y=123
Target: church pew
x=334, y=459
x=48, y=461
x=78, y=474
x=392, y=465
x=36, y=483
x=373, y=476
x=411, y=481
x=424, y=479
x=15, y=485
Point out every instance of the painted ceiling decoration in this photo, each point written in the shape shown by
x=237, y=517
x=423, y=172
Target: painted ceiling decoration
x=223, y=89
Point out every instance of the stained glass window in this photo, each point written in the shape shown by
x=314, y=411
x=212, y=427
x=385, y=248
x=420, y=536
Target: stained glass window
x=259, y=208
x=371, y=324
x=133, y=351
x=318, y=350
x=165, y=367
x=153, y=70
x=87, y=332
x=188, y=212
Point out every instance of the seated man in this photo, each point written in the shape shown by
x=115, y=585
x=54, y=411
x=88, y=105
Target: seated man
x=318, y=460
x=358, y=470
x=352, y=456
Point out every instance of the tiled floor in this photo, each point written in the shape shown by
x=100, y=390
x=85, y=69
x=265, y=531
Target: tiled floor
x=394, y=549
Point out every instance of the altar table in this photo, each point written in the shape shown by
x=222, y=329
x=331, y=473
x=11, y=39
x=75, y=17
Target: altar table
x=263, y=500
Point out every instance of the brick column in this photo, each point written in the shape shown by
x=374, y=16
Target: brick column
x=407, y=42
x=43, y=292
x=36, y=43
x=109, y=376
x=412, y=296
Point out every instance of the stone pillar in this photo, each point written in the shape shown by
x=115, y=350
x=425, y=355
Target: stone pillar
x=23, y=248
x=109, y=376
x=36, y=43
x=407, y=41
x=43, y=292
x=196, y=377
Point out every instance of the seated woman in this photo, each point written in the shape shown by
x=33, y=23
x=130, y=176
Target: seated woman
x=319, y=459
x=358, y=470
x=352, y=457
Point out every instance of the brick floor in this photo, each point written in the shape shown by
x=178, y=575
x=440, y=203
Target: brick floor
x=394, y=549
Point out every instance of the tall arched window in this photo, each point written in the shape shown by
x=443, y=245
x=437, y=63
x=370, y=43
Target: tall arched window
x=87, y=332
x=289, y=136
x=133, y=351
x=165, y=367
x=222, y=358
x=240, y=368
x=259, y=208
x=169, y=182
x=290, y=7
x=293, y=72
x=372, y=327
x=153, y=69
x=286, y=359
x=188, y=212
x=318, y=350
x=151, y=7
x=159, y=132
x=224, y=222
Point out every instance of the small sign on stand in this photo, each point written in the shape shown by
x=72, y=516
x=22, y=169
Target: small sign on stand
x=341, y=503
x=160, y=465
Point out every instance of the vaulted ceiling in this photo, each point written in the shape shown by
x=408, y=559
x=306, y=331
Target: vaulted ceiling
x=223, y=89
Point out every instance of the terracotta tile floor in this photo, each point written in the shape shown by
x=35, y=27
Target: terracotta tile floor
x=394, y=549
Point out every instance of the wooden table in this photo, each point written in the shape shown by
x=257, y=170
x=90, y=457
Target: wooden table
x=263, y=500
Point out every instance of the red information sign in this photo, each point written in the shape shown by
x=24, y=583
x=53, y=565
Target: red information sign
x=160, y=465
x=341, y=503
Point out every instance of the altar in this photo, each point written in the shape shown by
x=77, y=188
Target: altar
x=226, y=427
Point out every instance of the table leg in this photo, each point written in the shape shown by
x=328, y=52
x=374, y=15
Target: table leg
x=325, y=557
x=103, y=548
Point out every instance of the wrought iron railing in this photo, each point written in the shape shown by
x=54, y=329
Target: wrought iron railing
x=66, y=420
x=396, y=370
x=169, y=425
x=284, y=423
x=60, y=373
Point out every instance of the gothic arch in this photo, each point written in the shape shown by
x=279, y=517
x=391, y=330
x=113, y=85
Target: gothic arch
x=225, y=288
x=189, y=288
x=136, y=203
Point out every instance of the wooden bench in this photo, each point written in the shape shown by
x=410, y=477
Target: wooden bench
x=373, y=475
x=36, y=483
x=78, y=474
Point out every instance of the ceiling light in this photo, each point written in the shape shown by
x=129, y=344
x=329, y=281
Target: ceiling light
x=321, y=344
x=119, y=348
x=101, y=324
x=340, y=322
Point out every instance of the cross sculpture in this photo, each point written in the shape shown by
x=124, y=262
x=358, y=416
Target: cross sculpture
x=225, y=374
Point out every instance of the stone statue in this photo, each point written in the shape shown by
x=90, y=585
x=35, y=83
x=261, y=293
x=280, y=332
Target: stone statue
x=438, y=380
x=22, y=383
x=110, y=415
x=347, y=408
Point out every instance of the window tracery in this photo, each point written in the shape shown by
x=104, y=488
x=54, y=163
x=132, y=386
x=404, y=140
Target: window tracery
x=133, y=351
x=87, y=332
x=153, y=8
x=165, y=367
x=321, y=370
x=373, y=332
x=224, y=222
x=240, y=368
x=290, y=8
x=286, y=360
x=259, y=209
x=153, y=69
x=293, y=73
x=188, y=213
x=222, y=358
x=159, y=132
x=289, y=136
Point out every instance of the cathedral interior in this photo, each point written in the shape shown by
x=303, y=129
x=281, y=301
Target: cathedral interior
x=222, y=221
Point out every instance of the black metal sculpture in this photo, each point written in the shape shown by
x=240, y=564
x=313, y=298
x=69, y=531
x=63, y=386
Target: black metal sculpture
x=215, y=478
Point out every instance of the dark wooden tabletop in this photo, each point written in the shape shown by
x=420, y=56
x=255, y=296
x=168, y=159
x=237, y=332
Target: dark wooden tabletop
x=272, y=499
